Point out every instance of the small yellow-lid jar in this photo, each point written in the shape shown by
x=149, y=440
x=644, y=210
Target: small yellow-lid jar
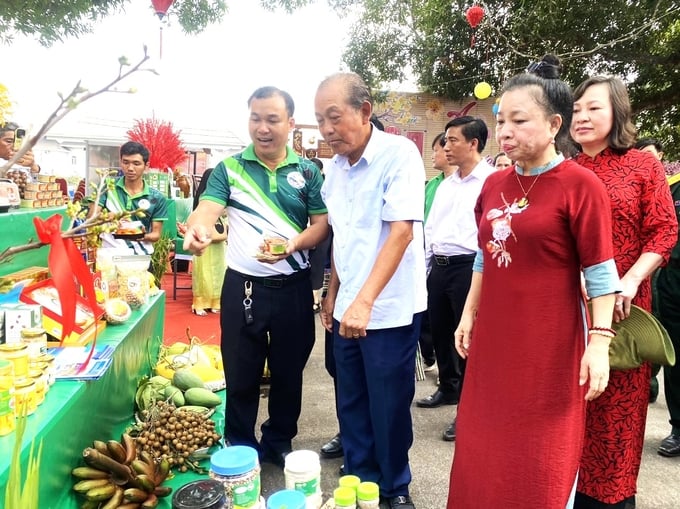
x=7, y=419
x=39, y=380
x=18, y=354
x=49, y=360
x=43, y=367
x=35, y=339
x=24, y=395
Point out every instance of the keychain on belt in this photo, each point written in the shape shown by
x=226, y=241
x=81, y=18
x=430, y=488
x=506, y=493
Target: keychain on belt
x=248, y=303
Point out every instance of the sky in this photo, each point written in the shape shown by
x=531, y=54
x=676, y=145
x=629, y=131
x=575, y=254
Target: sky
x=205, y=79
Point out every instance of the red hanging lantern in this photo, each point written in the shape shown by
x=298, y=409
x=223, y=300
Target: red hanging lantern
x=161, y=7
x=474, y=17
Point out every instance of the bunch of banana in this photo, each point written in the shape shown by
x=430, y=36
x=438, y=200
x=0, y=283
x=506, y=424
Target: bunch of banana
x=117, y=477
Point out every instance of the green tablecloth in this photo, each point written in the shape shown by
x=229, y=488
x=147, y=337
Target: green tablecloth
x=76, y=413
x=17, y=229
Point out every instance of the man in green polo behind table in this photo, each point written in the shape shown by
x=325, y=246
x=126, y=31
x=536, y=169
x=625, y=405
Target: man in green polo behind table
x=267, y=298
x=130, y=192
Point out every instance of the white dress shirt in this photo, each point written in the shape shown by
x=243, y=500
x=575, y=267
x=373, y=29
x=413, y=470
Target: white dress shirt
x=362, y=200
x=451, y=228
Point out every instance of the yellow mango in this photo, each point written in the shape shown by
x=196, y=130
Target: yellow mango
x=177, y=348
x=207, y=373
x=164, y=369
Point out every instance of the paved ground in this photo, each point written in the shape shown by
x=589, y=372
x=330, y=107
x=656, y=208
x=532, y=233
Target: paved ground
x=659, y=482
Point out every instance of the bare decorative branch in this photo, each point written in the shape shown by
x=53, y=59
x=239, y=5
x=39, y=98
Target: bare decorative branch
x=77, y=96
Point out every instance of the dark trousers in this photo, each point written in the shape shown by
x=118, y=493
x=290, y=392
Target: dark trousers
x=447, y=289
x=425, y=341
x=668, y=289
x=282, y=333
x=376, y=384
x=329, y=363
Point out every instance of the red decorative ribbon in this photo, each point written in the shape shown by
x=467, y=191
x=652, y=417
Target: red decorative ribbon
x=68, y=270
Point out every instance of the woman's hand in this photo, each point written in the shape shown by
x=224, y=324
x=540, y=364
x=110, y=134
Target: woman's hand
x=624, y=299
x=462, y=337
x=595, y=366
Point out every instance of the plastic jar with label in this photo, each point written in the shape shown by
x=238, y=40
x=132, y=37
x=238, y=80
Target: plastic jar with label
x=287, y=499
x=368, y=495
x=202, y=494
x=238, y=469
x=35, y=340
x=345, y=498
x=302, y=472
x=18, y=354
x=24, y=395
x=7, y=418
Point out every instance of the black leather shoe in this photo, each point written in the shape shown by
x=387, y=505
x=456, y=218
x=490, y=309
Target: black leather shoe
x=275, y=458
x=670, y=446
x=400, y=502
x=332, y=449
x=437, y=399
x=341, y=470
x=450, y=432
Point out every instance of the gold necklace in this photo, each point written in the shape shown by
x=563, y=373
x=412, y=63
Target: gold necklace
x=524, y=200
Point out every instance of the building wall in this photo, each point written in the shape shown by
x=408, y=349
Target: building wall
x=421, y=117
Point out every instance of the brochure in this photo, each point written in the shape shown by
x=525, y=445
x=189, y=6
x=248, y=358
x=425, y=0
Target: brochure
x=68, y=362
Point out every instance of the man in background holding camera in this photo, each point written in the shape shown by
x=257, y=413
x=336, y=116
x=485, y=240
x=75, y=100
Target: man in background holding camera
x=11, y=139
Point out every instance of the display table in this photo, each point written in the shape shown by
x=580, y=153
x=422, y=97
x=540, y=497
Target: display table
x=76, y=413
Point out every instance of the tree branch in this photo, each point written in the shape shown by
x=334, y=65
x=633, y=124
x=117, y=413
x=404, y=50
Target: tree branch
x=77, y=96
x=633, y=34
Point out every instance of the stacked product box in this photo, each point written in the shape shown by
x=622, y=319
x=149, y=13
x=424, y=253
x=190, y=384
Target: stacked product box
x=43, y=193
x=159, y=181
x=87, y=325
x=15, y=317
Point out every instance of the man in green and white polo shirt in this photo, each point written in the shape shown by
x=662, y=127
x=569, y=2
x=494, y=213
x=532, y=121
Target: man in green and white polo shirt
x=266, y=300
x=130, y=192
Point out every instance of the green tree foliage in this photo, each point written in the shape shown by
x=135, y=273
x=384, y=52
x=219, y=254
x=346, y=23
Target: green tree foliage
x=430, y=41
x=55, y=21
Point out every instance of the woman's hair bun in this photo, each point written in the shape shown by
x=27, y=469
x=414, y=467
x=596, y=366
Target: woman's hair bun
x=548, y=68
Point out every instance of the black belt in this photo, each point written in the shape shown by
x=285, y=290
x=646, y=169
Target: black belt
x=453, y=260
x=274, y=281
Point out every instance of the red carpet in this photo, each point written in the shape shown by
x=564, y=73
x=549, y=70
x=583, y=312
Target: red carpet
x=178, y=315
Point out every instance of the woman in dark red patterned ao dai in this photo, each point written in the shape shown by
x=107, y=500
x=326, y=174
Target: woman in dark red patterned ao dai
x=644, y=232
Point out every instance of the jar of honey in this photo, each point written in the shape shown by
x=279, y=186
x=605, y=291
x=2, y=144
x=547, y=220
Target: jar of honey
x=7, y=419
x=24, y=396
x=43, y=367
x=49, y=360
x=18, y=354
x=35, y=340
x=38, y=378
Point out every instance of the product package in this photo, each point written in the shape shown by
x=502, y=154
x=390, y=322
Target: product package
x=45, y=294
x=133, y=279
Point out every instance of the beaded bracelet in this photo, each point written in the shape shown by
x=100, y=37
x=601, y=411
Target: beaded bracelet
x=603, y=331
